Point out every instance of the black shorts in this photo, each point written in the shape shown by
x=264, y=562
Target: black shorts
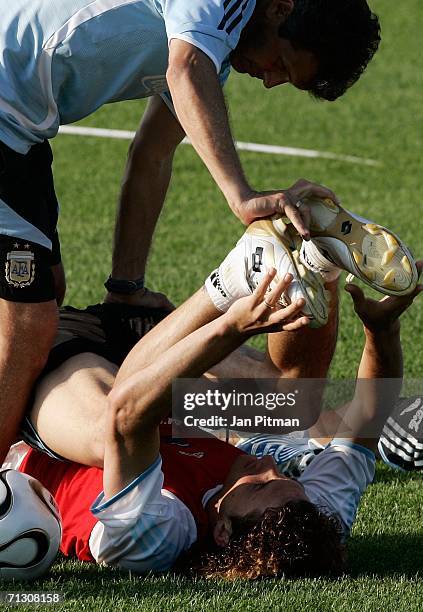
x=29, y=242
x=108, y=330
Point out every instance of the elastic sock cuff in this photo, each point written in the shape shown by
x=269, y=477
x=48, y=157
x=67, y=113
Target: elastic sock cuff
x=216, y=293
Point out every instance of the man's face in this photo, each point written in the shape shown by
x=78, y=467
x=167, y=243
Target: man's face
x=264, y=55
x=277, y=64
x=253, y=485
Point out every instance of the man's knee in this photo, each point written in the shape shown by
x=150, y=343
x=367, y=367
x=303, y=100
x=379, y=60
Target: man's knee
x=27, y=331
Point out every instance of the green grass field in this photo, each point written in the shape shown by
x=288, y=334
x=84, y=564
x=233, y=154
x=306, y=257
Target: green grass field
x=380, y=118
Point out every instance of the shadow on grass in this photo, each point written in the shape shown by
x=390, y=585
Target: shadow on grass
x=386, y=555
x=377, y=556
x=86, y=581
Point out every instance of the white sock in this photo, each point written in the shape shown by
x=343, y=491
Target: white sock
x=217, y=294
x=228, y=282
x=313, y=259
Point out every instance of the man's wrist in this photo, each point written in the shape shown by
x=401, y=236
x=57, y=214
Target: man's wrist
x=231, y=328
x=124, y=286
x=383, y=334
x=237, y=195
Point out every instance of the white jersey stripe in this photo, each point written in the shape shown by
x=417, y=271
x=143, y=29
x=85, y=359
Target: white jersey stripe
x=17, y=227
x=44, y=66
x=61, y=61
x=94, y=9
x=397, y=451
x=406, y=435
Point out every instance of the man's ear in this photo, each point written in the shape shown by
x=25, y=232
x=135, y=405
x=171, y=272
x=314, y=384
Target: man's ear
x=222, y=531
x=278, y=10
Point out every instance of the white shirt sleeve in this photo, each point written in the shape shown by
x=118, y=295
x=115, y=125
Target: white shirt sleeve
x=15, y=456
x=213, y=26
x=337, y=478
x=144, y=527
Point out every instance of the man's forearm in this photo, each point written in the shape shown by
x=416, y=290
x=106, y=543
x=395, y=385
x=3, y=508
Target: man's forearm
x=377, y=388
x=201, y=109
x=144, y=187
x=382, y=354
x=139, y=403
x=378, y=385
x=147, y=393
x=200, y=106
x=143, y=193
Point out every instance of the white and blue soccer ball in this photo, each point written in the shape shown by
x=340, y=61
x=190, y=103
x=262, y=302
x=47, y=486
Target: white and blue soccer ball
x=30, y=527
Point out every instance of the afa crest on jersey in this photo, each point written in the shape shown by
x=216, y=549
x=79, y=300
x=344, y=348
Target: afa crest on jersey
x=20, y=268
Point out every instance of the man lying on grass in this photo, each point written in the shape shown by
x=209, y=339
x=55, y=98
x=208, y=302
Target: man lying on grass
x=157, y=496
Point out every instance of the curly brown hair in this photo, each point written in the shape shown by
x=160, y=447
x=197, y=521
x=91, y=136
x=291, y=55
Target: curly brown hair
x=295, y=540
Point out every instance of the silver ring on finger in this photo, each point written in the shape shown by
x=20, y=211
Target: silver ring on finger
x=271, y=306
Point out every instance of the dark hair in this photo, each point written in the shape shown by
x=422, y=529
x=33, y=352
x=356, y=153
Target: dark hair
x=295, y=540
x=344, y=35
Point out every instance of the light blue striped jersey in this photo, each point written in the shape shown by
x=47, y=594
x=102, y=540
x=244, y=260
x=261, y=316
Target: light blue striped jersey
x=61, y=60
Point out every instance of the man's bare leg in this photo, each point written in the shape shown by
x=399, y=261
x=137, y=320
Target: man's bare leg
x=308, y=352
x=289, y=352
x=139, y=403
x=197, y=311
x=26, y=335
x=70, y=403
x=70, y=407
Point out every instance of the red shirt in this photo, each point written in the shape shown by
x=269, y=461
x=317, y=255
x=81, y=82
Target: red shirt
x=191, y=467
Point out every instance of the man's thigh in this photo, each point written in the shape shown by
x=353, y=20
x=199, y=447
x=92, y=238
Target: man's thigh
x=29, y=243
x=67, y=419
x=69, y=408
